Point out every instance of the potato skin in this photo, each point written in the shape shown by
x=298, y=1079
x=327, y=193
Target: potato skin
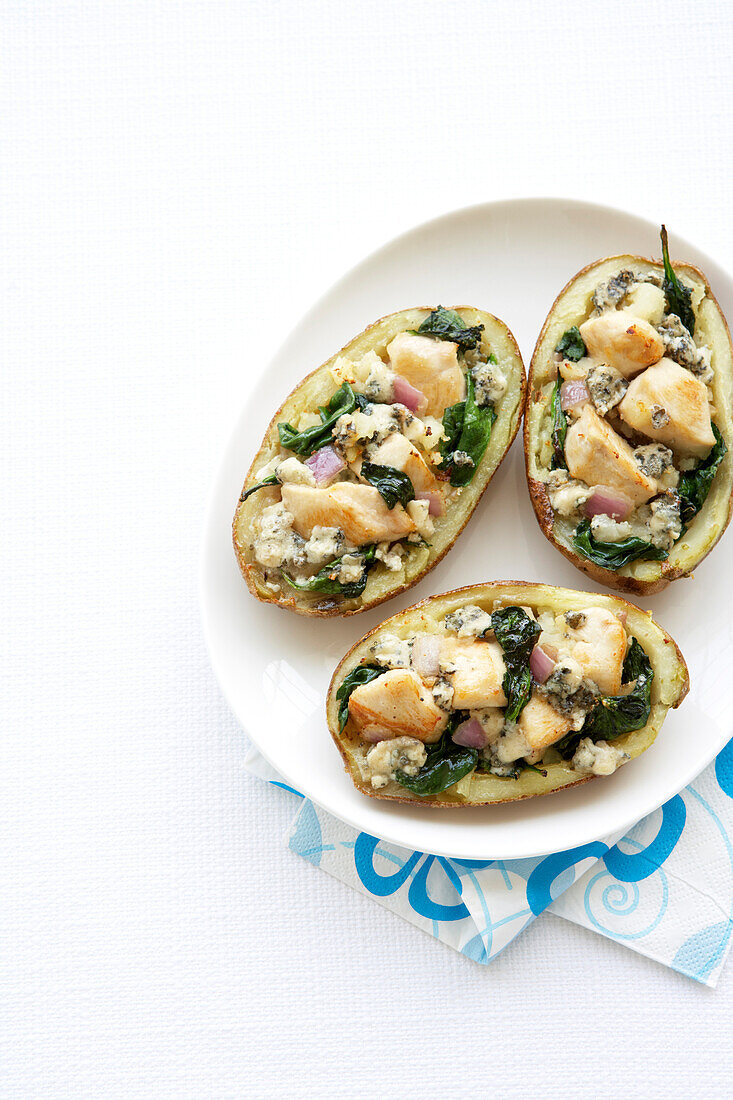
x=510, y=410
x=669, y=688
x=638, y=578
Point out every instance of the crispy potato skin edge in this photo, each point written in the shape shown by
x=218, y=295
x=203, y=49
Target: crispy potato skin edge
x=289, y=603
x=538, y=492
x=468, y=591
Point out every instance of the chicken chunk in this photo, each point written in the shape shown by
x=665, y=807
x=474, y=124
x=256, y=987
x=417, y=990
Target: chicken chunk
x=476, y=670
x=357, y=510
x=623, y=341
x=431, y=366
x=599, y=646
x=539, y=726
x=669, y=404
x=598, y=455
x=396, y=704
x=398, y=452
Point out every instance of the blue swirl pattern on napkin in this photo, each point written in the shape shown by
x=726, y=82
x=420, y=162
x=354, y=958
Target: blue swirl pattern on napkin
x=665, y=889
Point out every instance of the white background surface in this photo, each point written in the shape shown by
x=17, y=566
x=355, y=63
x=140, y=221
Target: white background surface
x=179, y=182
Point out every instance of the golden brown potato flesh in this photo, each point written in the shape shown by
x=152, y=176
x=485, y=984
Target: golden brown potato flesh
x=359, y=510
x=430, y=366
x=598, y=455
x=669, y=404
x=396, y=704
x=620, y=340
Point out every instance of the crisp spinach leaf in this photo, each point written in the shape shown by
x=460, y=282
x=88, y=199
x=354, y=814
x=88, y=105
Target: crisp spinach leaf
x=517, y=635
x=362, y=674
x=394, y=486
x=695, y=484
x=325, y=580
x=571, y=345
x=446, y=324
x=445, y=765
x=613, y=555
x=678, y=296
x=311, y=439
x=467, y=427
x=559, y=428
x=271, y=480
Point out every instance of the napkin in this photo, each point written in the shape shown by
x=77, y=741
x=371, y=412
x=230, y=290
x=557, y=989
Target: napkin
x=664, y=889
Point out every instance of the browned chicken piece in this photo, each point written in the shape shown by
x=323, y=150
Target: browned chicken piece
x=669, y=404
x=539, y=726
x=599, y=647
x=623, y=341
x=397, y=704
x=598, y=455
x=477, y=672
x=431, y=366
x=358, y=510
x=398, y=452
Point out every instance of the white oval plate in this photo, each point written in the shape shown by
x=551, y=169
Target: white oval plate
x=511, y=258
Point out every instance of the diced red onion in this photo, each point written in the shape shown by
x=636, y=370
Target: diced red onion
x=470, y=735
x=325, y=464
x=604, y=502
x=540, y=664
x=622, y=616
x=407, y=395
x=374, y=736
x=572, y=393
x=425, y=656
x=435, y=502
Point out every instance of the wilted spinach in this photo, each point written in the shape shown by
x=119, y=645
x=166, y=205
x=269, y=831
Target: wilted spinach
x=559, y=429
x=272, y=479
x=694, y=485
x=678, y=297
x=571, y=345
x=362, y=674
x=614, y=555
x=394, y=486
x=312, y=439
x=517, y=635
x=467, y=427
x=325, y=580
x=445, y=765
x=446, y=324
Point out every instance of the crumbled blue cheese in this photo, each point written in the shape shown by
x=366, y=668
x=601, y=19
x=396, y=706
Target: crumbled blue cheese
x=372, y=425
x=390, y=555
x=567, y=496
x=606, y=387
x=609, y=294
x=350, y=568
x=419, y=513
x=491, y=720
x=665, y=521
x=605, y=529
x=379, y=383
x=405, y=754
x=511, y=745
x=469, y=621
x=489, y=383
x=294, y=472
x=462, y=458
x=443, y=693
x=597, y=757
x=680, y=346
x=567, y=690
x=390, y=651
x=659, y=416
x=275, y=541
x=325, y=544
x=653, y=459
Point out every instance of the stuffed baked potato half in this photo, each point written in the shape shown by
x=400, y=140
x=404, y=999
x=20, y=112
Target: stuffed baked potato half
x=628, y=424
x=501, y=691
x=373, y=465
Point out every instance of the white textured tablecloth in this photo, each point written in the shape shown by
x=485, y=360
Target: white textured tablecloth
x=179, y=180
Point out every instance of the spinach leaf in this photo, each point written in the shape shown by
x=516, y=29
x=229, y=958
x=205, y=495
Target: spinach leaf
x=517, y=635
x=362, y=674
x=468, y=430
x=325, y=580
x=678, y=296
x=312, y=439
x=559, y=428
x=394, y=486
x=446, y=324
x=695, y=484
x=445, y=765
x=271, y=480
x=613, y=555
x=617, y=714
x=571, y=345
